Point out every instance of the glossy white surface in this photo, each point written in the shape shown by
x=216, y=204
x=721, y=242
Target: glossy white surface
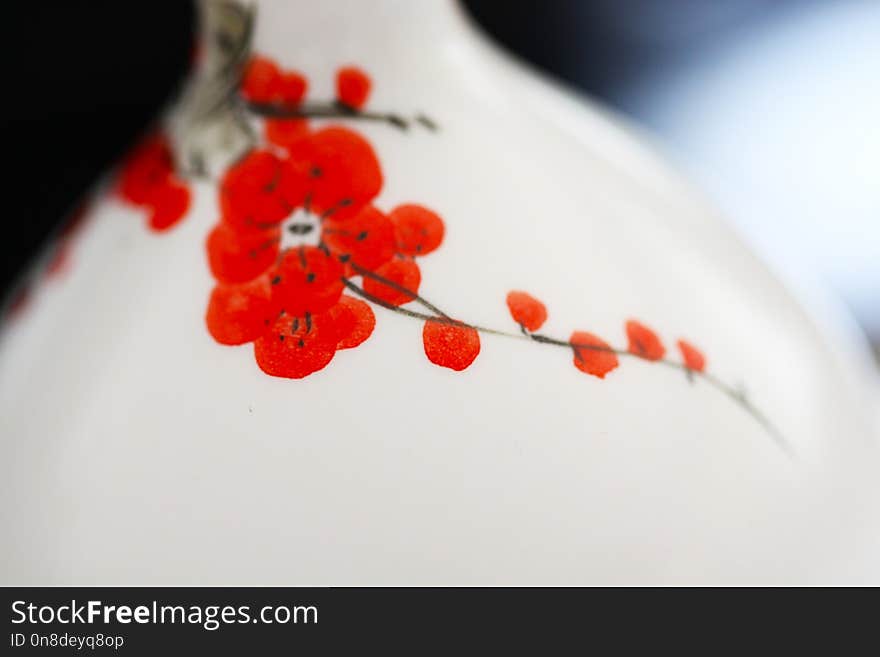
x=137, y=450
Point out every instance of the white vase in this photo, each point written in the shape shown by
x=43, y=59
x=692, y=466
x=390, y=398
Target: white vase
x=141, y=447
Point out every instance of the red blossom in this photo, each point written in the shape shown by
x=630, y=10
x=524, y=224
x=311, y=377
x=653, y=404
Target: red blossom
x=417, y=230
x=147, y=179
x=592, y=354
x=693, y=357
x=526, y=310
x=399, y=284
x=352, y=87
x=643, y=342
x=266, y=82
x=170, y=203
x=290, y=88
x=260, y=79
x=450, y=345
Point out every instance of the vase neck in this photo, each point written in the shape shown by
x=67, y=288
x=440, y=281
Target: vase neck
x=354, y=24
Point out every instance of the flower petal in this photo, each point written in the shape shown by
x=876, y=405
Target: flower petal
x=353, y=320
x=168, y=205
x=260, y=189
x=239, y=256
x=417, y=230
x=592, y=354
x=352, y=87
x=295, y=347
x=399, y=282
x=526, y=310
x=308, y=280
x=367, y=239
x=450, y=345
x=643, y=342
x=145, y=169
x=260, y=80
x=239, y=313
x=340, y=171
x=284, y=133
x=693, y=357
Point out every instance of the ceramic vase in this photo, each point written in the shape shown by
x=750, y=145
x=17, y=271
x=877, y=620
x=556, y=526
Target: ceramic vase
x=376, y=304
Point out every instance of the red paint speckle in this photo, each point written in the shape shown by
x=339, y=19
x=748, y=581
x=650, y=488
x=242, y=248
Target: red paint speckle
x=643, y=342
x=693, y=357
x=450, y=345
x=352, y=87
x=592, y=354
x=526, y=310
x=417, y=230
x=404, y=278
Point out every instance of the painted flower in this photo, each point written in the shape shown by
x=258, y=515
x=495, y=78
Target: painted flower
x=592, y=355
x=450, y=344
x=643, y=341
x=147, y=179
x=692, y=357
x=266, y=82
x=352, y=87
x=526, y=310
x=294, y=226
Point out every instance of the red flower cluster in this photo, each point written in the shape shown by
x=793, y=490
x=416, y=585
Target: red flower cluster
x=265, y=82
x=297, y=222
x=147, y=179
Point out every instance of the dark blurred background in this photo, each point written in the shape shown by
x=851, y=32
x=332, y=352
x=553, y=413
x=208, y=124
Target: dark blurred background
x=771, y=107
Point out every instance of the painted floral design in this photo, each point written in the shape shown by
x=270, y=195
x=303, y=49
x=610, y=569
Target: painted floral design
x=297, y=224
x=301, y=254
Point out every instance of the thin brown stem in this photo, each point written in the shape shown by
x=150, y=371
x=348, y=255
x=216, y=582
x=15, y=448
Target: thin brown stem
x=335, y=110
x=728, y=390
